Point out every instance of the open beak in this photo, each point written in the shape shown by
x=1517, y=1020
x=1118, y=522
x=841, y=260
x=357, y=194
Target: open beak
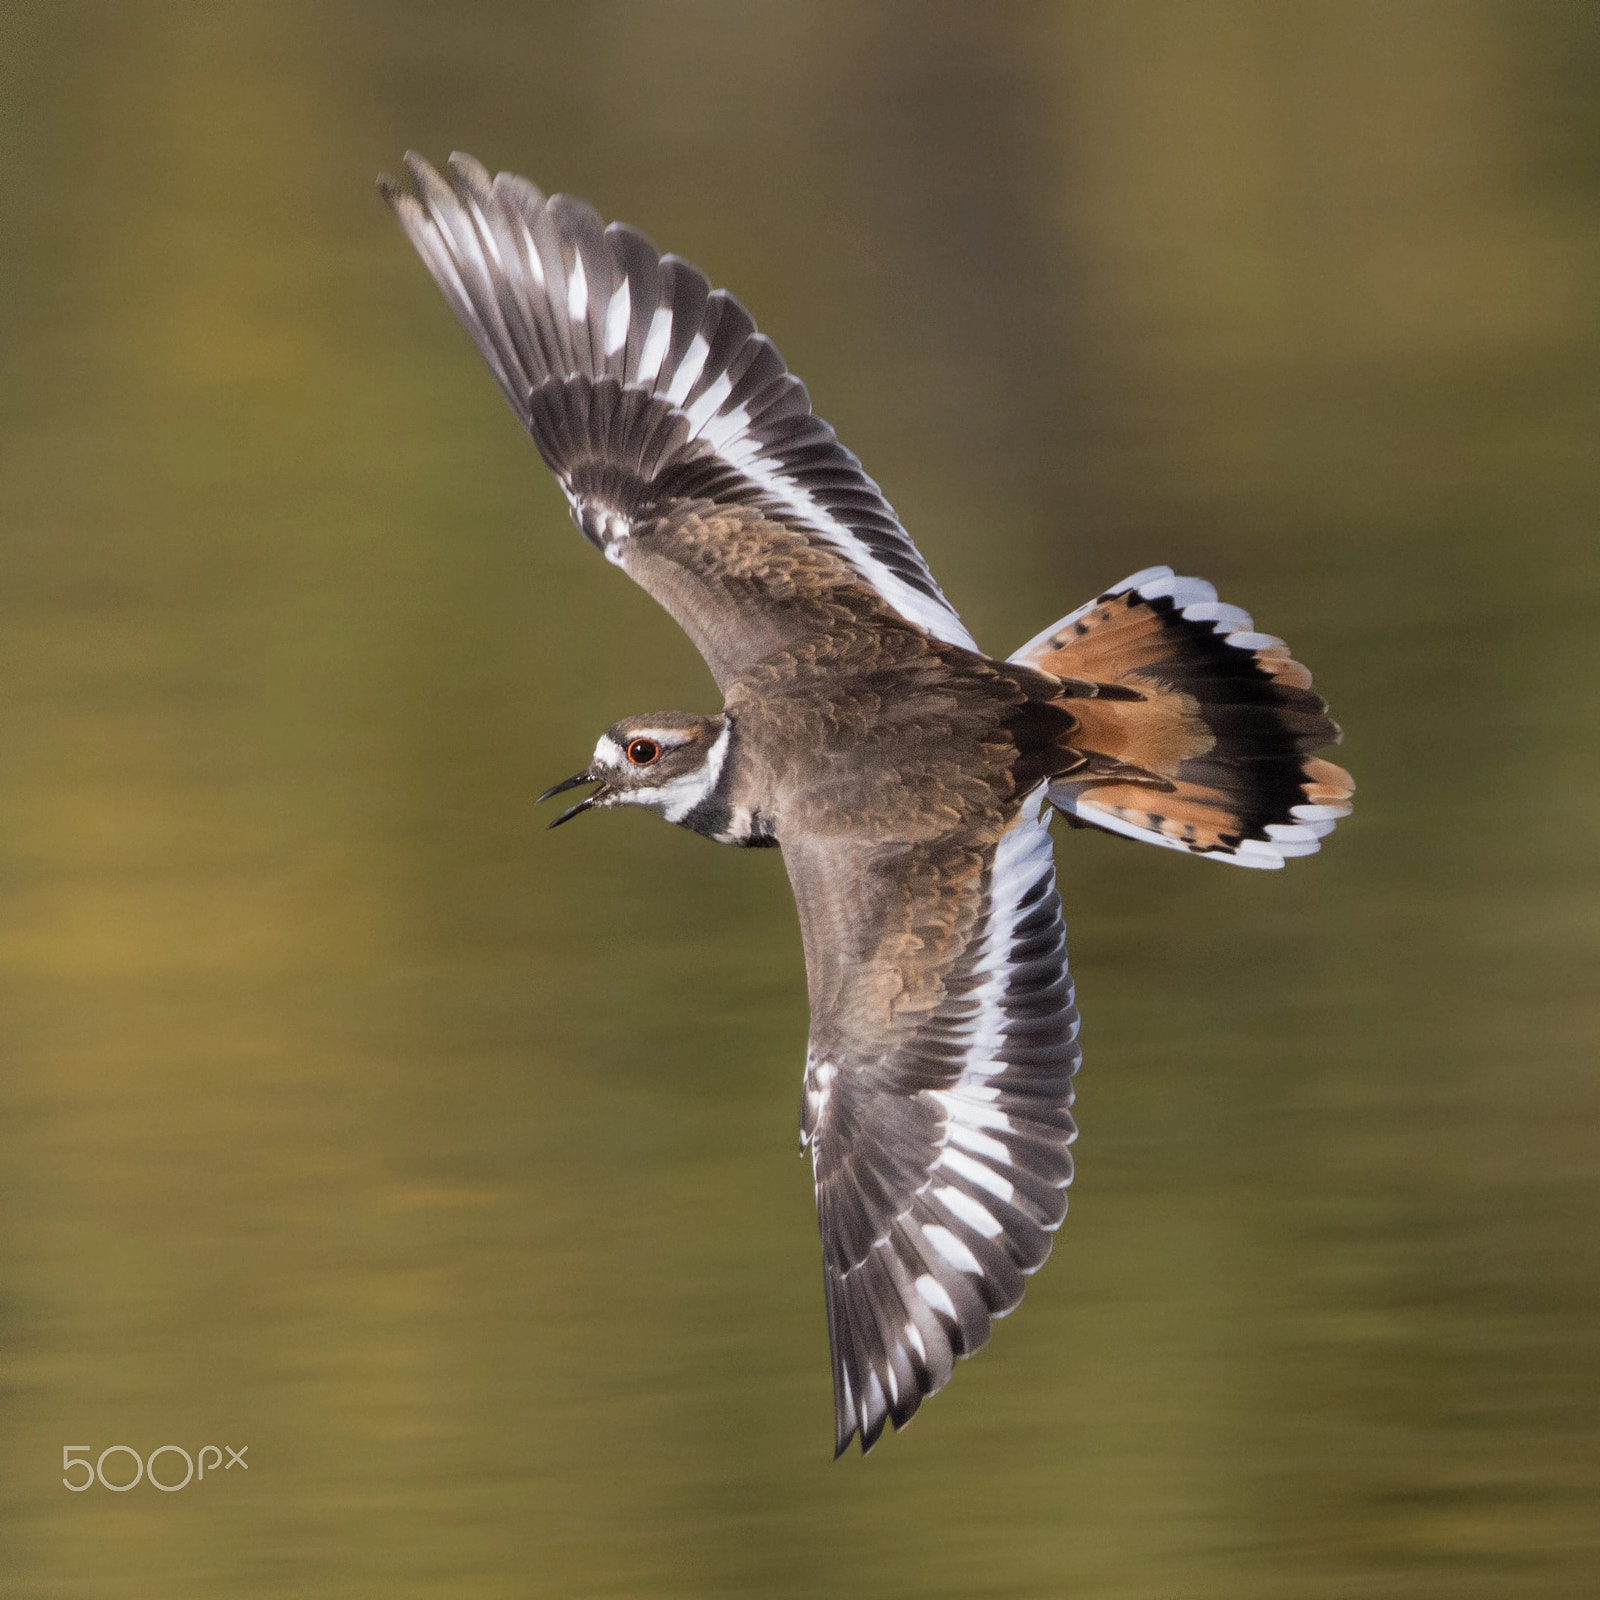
x=586, y=776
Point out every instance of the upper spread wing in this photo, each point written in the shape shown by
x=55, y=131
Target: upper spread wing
x=688, y=451
x=937, y=1096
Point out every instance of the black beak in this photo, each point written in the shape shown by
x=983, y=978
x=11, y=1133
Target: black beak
x=586, y=776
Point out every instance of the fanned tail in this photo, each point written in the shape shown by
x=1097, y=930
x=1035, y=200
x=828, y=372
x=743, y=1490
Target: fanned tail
x=1213, y=755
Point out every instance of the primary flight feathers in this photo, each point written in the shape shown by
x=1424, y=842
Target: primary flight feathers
x=642, y=385
x=904, y=774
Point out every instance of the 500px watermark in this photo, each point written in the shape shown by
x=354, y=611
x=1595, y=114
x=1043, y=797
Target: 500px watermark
x=144, y=1467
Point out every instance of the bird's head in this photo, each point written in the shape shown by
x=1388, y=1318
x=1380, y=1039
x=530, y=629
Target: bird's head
x=669, y=761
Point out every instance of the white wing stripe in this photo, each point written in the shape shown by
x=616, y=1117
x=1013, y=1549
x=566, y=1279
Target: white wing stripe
x=618, y=314
x=689, y=370
x=1021, y=859
x=936, y=1295
x=963, y=1103
x=874, y=1398
x=980, y=1144
x=578, y=290
x=706, y=407
x=976, y=1172
x=745, y=454
x=719, y=430
x=968, y=1210
x=656, y=342
x=952, y=1249
x=534, y=261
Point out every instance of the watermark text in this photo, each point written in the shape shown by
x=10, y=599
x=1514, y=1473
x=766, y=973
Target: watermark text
x=128, y=1469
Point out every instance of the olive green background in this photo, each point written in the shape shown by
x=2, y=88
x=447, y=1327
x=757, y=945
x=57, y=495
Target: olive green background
x=449, y=1165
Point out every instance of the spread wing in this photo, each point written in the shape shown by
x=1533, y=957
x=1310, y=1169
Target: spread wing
x=937, y=1095
x=687, y=450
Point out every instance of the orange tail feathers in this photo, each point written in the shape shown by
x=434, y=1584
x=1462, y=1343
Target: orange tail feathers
x=1222, y=731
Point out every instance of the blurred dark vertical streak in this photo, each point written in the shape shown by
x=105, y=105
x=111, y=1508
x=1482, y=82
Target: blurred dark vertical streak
x=960, y=170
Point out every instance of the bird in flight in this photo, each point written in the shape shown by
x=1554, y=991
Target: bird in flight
x=907, y=777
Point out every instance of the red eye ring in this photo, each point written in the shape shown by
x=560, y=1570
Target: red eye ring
x=641, y=752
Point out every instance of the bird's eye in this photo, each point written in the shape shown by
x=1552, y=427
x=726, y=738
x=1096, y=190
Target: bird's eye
x=641, y=752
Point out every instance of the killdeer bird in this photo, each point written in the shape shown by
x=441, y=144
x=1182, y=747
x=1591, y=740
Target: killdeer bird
x=906, y=776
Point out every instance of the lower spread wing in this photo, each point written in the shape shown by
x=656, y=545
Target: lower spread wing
x=654, y=400
x=937, y=1095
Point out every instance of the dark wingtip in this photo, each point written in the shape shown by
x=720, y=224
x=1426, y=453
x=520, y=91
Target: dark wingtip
x=425, y=175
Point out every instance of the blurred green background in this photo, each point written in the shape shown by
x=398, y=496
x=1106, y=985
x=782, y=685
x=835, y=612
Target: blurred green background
x=447, y=1164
